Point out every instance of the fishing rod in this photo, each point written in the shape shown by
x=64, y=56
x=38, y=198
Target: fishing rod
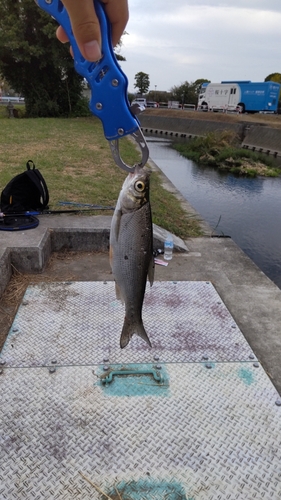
x=30, y=213
x=76, y=204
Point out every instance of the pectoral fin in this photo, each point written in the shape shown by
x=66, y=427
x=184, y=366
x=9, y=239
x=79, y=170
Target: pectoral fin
x=151, y=271
x=111, y=256
x=117, y=222
x=118, y=292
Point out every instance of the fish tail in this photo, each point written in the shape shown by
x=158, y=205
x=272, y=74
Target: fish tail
x=129, y=329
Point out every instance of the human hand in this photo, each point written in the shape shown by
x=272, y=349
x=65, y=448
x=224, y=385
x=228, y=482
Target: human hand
x=86, y=28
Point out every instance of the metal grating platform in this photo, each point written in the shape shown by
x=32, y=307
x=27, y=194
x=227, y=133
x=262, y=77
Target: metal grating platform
x=217, y=434
x=81, y=323
x=209, y=431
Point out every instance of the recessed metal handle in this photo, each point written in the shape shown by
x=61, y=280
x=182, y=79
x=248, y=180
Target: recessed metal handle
x=109, y=378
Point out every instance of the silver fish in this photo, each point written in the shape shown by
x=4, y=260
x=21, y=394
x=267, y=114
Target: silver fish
x=131, y=251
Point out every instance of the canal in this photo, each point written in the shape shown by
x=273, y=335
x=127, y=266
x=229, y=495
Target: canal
x=246, y=209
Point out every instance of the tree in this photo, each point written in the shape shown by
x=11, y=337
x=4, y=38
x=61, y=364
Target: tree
x=5, y=88
x=187, y=92
x=198, y=83
x=117, y=49
x=183, y=93
x=34, y=63
x=142, y=82
x=273, y=77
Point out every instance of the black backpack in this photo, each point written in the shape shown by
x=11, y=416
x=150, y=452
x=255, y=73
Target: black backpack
x=25, y=192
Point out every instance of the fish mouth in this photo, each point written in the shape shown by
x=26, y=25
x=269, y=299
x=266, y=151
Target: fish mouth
x=139, y=170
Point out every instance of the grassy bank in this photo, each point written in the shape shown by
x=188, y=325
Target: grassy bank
x=221, y=151
x=76, y=162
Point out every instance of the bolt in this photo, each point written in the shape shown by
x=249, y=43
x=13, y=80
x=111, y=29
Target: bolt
x=208, y=365
x=2, y=362
x=233, y=326
x=99, y=105
x=25, y=302
x=205, y=357
x=120, y=131
x=54, y=361
x=106, y=359
x=105, y=368
x=207, y=282
x=251, y=356
x=256, y=365
x=15, y=329
x=156, y=357
x=52, y=369
x=115, y=82
x=158, y=367
x=278, y=402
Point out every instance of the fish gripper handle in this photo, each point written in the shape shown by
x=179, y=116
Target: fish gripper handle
x=108, y=83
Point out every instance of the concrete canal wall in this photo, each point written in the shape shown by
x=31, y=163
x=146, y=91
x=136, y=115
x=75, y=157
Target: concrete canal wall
x=253, y=136
x=264, y=139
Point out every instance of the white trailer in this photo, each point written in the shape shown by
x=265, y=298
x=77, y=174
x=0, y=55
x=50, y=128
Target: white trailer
x=245, y=96
x=217, y=96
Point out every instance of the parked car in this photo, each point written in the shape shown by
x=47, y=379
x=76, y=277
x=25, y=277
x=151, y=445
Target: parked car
x=139, y=100
x=152, y=104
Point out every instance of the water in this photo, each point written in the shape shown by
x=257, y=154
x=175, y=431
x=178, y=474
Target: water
x=248, y=210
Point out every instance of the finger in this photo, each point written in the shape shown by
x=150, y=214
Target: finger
x=85, y=27
x=63, y=38
x=61, y=35
x=118, y=15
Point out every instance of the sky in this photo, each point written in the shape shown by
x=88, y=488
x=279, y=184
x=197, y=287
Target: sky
x=174, y=41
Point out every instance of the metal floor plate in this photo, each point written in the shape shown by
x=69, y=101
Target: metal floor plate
x=81, y=322
x=214, y=434
x=208, y=431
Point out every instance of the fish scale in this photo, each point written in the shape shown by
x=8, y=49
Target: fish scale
x=134, y=254
x=131, y=249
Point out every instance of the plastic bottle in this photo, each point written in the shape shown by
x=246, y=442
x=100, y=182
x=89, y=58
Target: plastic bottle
x=168, y=247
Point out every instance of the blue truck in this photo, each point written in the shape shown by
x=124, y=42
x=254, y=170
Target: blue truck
x=241, y=96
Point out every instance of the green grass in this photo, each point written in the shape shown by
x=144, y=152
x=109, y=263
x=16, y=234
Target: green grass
x=75, y=160
x=220, y=150
x=4, y=112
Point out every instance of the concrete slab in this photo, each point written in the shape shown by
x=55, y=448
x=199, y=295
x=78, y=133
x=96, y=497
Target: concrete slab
x=29, y=251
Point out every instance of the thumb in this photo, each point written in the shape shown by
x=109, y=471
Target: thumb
x=85, y=27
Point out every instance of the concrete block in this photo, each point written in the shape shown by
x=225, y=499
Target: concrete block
x=29, y=251
x=32, y=258
x=80, y=240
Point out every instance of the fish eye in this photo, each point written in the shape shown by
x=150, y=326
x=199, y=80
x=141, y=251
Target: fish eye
x=139, y=186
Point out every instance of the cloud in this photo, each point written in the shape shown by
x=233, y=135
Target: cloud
x=160, y=7
x=211, y=39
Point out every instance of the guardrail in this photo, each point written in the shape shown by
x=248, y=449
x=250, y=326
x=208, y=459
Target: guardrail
x=186, y=107
x=16, y=100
